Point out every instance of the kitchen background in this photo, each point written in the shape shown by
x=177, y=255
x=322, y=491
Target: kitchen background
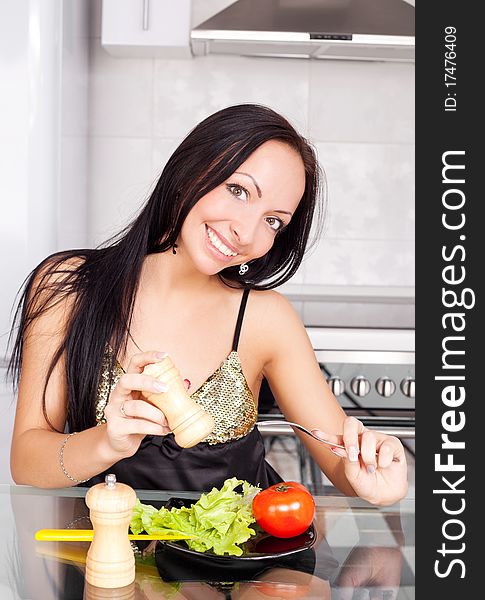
x=84, y=135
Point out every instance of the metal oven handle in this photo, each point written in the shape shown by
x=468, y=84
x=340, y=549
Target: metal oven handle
x=283, y=429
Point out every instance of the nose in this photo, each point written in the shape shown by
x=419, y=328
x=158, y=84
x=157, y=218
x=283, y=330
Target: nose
x=244, y=231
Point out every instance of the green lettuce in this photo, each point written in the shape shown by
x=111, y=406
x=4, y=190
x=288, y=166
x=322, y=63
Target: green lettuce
x=219, y=521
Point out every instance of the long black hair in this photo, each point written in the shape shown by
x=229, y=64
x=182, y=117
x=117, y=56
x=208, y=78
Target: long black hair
x=101, y=283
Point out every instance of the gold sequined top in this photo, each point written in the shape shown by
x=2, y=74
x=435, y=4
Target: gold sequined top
x=225, y=395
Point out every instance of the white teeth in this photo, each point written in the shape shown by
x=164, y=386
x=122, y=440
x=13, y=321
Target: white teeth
x=215, y=240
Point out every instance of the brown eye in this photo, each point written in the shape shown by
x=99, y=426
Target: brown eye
x=275, y=223
x=238, y=191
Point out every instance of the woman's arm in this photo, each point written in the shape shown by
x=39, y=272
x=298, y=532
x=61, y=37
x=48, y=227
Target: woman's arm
x=298, y=384
x=35, y=449
x=304, y=397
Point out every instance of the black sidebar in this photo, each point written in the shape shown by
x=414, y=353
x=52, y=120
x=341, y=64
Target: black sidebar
x=450, y=168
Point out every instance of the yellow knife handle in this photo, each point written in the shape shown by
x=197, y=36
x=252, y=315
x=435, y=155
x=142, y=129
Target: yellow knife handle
x=86, y=535
x=64, y=535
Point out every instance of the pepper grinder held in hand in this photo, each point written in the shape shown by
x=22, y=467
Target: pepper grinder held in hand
x=188, y=421
x=110, y=562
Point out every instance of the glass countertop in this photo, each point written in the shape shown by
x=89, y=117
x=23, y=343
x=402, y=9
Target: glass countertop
x=361, y=551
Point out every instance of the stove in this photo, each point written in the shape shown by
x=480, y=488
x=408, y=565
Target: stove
x=372, y=374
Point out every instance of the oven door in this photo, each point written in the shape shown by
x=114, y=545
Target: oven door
x=376, y=387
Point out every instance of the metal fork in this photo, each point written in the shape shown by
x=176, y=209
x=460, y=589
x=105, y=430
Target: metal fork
x=301, y=428
x=308, y=432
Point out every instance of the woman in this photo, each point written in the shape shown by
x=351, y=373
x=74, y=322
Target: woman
x=229, y=219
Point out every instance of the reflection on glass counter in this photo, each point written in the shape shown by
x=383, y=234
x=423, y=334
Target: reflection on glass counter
x=359, y=550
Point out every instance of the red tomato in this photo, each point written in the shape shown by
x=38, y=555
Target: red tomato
x=285, y=509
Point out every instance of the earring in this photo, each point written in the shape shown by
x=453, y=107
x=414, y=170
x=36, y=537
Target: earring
x=174, y=249
x=243, y=269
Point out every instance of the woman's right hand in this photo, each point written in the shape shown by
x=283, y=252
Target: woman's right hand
x=129, y=418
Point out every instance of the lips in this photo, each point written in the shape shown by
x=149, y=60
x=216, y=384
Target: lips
x=220, y=245
x=223, y=239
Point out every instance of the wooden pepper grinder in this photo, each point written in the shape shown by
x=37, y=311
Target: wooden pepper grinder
x=91, y=592
x=188, y=421
x=110, y=562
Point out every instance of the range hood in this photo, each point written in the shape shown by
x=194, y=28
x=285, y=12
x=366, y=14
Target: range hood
x=320, y=29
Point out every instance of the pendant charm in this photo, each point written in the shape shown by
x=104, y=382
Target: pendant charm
x=243, y=269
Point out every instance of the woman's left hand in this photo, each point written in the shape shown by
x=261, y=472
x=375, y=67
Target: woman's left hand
x=375, y=463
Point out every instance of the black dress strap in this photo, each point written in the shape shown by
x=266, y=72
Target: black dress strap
x=240, y=317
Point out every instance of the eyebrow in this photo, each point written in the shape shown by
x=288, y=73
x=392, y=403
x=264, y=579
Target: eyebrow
x=258, y=189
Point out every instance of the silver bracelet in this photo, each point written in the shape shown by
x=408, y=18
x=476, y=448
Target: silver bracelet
x=61, y=461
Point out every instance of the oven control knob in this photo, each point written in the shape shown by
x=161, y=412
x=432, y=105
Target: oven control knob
x=336, y=385
x=360, y=386
x=385, y=386
x=407, y=387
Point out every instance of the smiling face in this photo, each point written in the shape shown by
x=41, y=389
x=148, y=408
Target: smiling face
x=238, y=220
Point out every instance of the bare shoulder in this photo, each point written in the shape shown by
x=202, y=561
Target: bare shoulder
x=58, y=268
x=270, y=305
x=273, y=322
x=50, y=290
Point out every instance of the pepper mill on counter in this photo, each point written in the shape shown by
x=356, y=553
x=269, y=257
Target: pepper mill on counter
x=189, y=422
x=110, y=562
x=91, y=592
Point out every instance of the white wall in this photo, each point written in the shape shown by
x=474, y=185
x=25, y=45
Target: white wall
x=43, y=160
x=360, y=115
x=43, y=120
x=28, y=106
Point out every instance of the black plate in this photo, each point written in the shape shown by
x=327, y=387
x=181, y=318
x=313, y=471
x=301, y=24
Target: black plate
x=261, y=547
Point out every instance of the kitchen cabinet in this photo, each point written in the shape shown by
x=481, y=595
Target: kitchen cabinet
x=146, y=28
